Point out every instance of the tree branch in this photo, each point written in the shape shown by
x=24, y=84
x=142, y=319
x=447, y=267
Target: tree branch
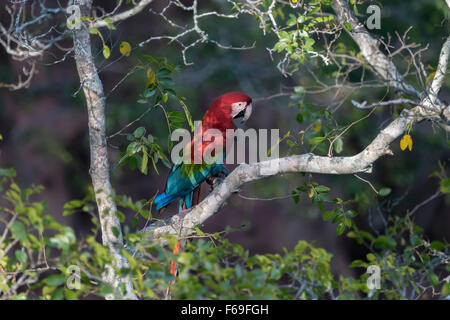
x=124, y=15
x=441, y=69
x=370, y=51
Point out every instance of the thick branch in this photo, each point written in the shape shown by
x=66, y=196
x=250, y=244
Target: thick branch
x=99, y=170
x=370, y=49
x=441, y=69
x=184, y=223
x=387, y=70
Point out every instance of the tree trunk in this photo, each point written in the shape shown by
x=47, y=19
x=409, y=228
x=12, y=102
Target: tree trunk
x=99, y=169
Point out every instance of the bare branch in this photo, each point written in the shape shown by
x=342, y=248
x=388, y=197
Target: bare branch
x=364, y=105
x=123, y=15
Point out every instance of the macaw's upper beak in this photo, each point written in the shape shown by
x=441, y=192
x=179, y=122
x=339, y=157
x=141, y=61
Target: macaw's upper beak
x=248, y=112
x=245, y=113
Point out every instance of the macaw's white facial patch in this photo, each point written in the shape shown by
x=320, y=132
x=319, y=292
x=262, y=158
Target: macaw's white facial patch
x=237, y=107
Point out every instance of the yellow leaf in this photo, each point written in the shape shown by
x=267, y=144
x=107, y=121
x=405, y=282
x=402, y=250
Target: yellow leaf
x=403, y=143
x=317, y=127
x=409, y=143
x=406, y=142
x=125, y=48
x=311, y=193
x=149, y=72
x=151, y=77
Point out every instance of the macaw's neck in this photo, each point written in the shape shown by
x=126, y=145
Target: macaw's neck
x=216, y=117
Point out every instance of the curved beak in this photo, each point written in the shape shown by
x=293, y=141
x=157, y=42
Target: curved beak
x=248, y=112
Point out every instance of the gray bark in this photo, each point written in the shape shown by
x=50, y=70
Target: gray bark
x=99, y=168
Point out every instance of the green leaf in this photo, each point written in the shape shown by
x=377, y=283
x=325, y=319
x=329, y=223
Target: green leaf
x=70, y=295
x=348, y=26
x=110, y=23
x=64, y=239
x=176, y=116
x=328, y=215
x=18, y=231
x=385, y=242
x=10, y=172
x=415, y=240
x=133, y=148
x=316, y=140
x=445, y=289
x=106, y=51
x=384, y=192
x=200, y=232
x=433, y=278
x=149, y=92
x=21, y=256
x=139, y=132
x=371, y=257
x=445, y=185
x=115, y=231
x=322, y=189
x=338, y=145
x=144, y=163
x=437, y=245
x=71, y=206
x=340, y=229
x=55, y=280
x=93, y=30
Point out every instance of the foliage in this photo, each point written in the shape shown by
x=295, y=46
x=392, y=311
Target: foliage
x=38, y=257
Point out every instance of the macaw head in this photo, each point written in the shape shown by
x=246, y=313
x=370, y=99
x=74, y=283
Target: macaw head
x=241, y=105
x=226, y=109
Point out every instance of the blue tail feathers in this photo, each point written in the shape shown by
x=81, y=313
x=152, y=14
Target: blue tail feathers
x=163, y=199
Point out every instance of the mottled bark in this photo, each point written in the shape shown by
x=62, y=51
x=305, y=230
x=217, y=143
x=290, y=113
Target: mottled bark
x=99, y=168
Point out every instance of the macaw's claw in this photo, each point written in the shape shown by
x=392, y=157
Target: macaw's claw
x=216, y=182
x=224, y=172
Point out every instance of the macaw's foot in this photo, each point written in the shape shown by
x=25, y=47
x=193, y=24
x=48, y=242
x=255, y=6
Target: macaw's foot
x=223, y=173
x=218, y=178
x=216, y=182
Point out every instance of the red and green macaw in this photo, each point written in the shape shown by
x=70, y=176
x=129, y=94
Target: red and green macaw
x=185, y=178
